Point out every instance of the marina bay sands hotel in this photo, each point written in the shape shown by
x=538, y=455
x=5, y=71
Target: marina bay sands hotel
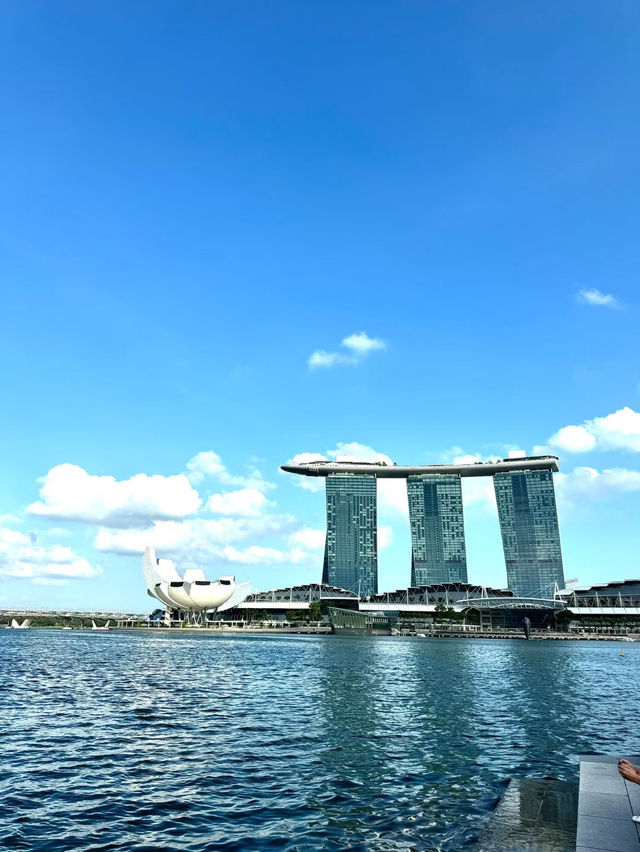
x=526, y=509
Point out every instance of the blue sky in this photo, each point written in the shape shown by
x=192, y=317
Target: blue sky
x=199, y=196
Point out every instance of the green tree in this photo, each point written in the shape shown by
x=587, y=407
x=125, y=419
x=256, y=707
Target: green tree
x=447, y=613
x=316, y=611
x=257, y=615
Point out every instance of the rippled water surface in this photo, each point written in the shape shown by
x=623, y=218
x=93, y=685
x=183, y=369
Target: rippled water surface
x=153, y=742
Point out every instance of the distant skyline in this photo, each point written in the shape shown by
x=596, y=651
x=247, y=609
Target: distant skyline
x=234, y=236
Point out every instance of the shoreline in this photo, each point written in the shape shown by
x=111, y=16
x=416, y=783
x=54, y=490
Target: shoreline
x=326, y=631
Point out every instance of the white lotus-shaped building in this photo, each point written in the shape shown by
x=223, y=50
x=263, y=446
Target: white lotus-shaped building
x=192, y=593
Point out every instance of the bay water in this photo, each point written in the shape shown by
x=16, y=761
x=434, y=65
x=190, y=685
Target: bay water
x=164, y=741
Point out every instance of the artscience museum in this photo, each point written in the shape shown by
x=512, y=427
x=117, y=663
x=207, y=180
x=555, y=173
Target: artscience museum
x=192, y=594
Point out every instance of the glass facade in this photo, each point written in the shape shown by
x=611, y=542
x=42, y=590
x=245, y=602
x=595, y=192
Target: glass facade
x=438, y=553
x=530, y=535
x=351, y=550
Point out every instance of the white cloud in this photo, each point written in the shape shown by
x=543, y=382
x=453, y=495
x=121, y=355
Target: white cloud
x=166, y=513
x=358, y=346
x=385, y=537
x=392, y=497
x=478, y=492
x=355, y=451
x=593, y=296
x=573, y=439
x=588, y=484
x=22, y=556
x=307, y=539
x=205, y=464
x=617, y=431
x=200, y=542
x=254, y=554
x=322, y=358
x=247, y=502
x=69, y=493
x=257, y=555
x=361, y=344
x=213, y=544
x=209, y=464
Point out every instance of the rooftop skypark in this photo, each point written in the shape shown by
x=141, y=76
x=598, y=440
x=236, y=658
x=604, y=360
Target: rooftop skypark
x=382, y=470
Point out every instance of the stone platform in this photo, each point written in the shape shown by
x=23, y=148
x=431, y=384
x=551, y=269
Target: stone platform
x=606, y=803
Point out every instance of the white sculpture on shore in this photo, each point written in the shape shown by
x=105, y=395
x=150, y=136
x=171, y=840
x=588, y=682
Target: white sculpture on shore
x=192, y=593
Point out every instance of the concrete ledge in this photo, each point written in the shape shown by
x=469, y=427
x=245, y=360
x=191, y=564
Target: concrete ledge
x=534, y=814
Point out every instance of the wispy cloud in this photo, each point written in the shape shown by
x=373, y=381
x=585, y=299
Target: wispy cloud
x=593, y=296
x=357, y=347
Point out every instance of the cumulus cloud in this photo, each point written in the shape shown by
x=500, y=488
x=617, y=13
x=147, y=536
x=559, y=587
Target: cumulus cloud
x=356, y=348
x=596, y=298
x=22, y=556
x=165, y=512
x=208, y=464
x=588, y=484
x=617, y=431
x=247, y=502
x=361, y=344
x=69, y=493
x=573, y=439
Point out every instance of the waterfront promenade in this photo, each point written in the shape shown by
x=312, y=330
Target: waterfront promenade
x=139, y=624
